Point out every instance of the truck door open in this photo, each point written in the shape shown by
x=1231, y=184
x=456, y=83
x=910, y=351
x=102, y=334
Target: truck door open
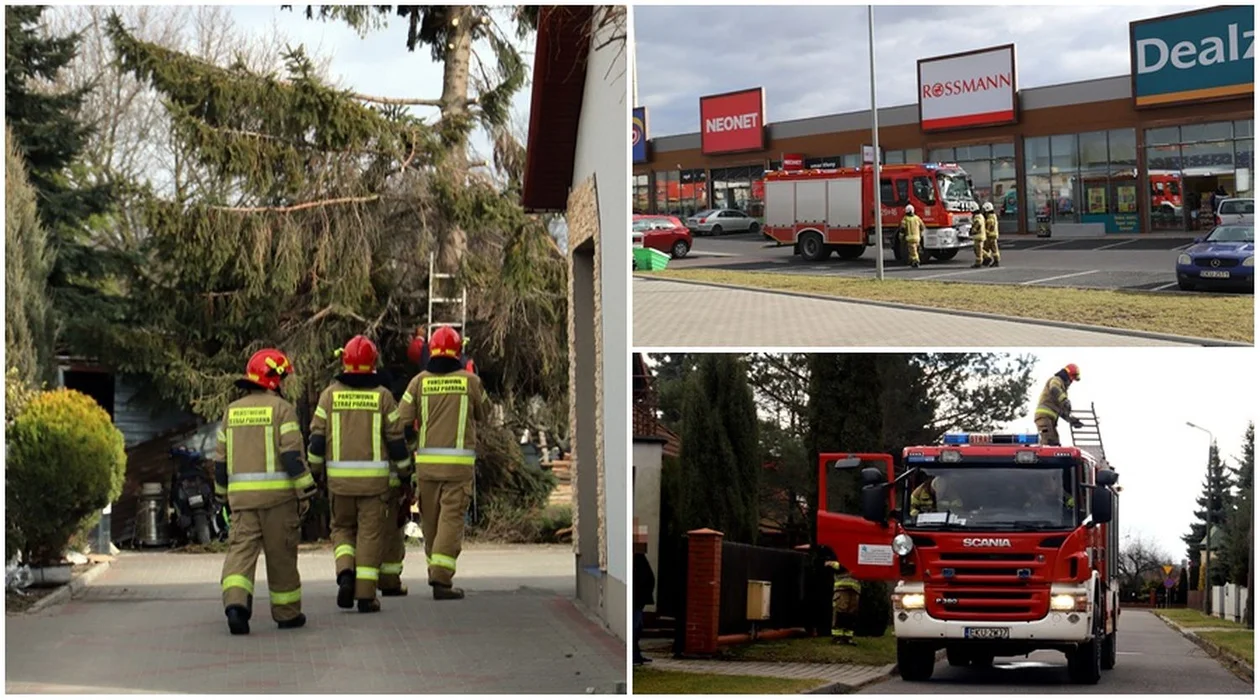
x=861, y=546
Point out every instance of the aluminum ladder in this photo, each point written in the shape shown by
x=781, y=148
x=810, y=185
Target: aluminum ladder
x=1088, y=437
x=436, y=299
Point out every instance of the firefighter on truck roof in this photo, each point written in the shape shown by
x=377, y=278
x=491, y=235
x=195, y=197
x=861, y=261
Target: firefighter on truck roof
x=1054, y=404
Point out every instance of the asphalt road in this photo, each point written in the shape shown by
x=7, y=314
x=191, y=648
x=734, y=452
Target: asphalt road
x=1114, y=262
x=1153, y=659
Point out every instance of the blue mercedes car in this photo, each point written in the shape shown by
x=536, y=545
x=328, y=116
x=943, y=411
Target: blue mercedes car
x=1223, y=259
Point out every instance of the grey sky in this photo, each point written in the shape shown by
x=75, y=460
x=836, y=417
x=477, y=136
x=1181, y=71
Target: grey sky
x=813, y=60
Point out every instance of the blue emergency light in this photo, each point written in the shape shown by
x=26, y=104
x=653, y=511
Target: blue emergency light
x=990, y=439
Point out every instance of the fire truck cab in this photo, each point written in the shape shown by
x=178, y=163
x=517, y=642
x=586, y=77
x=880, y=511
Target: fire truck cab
x=998, y=546
x=833, y=210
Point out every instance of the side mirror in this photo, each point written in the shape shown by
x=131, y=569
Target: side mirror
x=873, y=477
x=1100, y=505
x=1107, y=477
x=874, y=504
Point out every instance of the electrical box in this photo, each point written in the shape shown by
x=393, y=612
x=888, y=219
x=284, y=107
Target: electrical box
x=758, y=600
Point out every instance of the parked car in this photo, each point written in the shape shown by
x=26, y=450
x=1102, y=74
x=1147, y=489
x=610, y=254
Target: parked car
x=1236, y=210
x=664, y=233
x=1225, y=258
x=720, y=221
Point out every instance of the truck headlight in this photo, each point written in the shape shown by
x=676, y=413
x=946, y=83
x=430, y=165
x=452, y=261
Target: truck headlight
x=1250, y=262
x=1183, y=259
x=908, y=601
x=1068, y=602
x=902, y=544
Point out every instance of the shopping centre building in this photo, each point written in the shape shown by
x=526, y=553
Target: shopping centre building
x=1127, y=154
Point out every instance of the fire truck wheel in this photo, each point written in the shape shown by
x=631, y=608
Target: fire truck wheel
x=849, y=252
x=1109, y=652
x=915, y=662
x=982, y=660
x=945, y=254
x=812, y=247
x=1085, y=663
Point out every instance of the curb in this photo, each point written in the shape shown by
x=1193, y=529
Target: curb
x=1146, y=335
x=1237, y=665
x=842, y=689
x=70, y=590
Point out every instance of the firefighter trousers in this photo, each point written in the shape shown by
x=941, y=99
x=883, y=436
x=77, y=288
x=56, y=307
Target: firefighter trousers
x=395, y=547
x=273, y=532
x=358, y=535
x=991, y=249
x=912, y=249
x=844, y=608
x=443, y=505
x=1047, y=430
x=978, y=245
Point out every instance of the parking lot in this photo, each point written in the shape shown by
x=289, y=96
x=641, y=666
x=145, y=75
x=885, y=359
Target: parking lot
x=1115, y=262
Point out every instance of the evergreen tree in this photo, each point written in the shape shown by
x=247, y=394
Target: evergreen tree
x=1237, y=545
x=1213, y=504
x=28, y=328
x=720, y=462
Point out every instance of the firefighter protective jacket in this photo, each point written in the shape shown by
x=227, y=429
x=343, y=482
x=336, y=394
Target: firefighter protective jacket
x=978, y=232
x=1054, y=399
x=448, y=406
x=991, y=225
x=913, y=226
x=258, y=459
x=357, y=439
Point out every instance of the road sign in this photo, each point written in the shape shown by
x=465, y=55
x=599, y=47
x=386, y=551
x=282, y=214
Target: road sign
x=1169, y=583
x=1168, y=569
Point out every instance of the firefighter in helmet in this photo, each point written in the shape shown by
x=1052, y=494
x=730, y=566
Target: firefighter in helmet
x=449, y=402
x=268, y=499
x=993, y=258
x=845, y=594
x=357, y=438
x=1047, y=493
x=1054, y=404
x=979, y=238
x=913, y=227
x=933, y=495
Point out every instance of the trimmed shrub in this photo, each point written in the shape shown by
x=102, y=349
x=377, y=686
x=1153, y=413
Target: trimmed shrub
x=66, y=461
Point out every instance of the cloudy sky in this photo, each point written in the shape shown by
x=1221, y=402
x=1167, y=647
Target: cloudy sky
x=1144, y=399
x=813, y=60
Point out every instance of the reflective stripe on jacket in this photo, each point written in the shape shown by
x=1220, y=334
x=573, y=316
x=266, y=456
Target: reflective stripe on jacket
x=258, y=459
x=447, y=408
x=357, y=436
x=913, y=226
x=1054, y=400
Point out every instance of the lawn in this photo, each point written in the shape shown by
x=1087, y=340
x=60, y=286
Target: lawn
x=1191, y=619
x=871, y=651
x=1241, y=643
x=1225, y=317
x=650, y=681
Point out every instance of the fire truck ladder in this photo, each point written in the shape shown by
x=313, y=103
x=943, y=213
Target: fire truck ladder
x=1088, y=437
x=444, y=283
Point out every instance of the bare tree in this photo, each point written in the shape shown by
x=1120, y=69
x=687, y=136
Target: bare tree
x=1140, y=559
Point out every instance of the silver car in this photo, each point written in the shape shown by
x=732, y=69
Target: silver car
x=720, y=221
x=1235, y=210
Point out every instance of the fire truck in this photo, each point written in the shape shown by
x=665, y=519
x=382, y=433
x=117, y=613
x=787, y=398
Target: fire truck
x=833, y=210
x=998, y=546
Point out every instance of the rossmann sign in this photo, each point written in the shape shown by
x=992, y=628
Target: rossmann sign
x=1193, y=56
x=733, y=122
x=971, y=89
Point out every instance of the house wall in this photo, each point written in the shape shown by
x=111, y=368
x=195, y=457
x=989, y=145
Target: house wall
x=647, y=497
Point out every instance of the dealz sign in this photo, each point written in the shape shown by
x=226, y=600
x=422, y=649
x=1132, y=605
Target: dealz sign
x=1193, y=57
x=971, y=89
x=733, y=122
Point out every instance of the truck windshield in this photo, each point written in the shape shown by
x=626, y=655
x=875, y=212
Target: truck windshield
x=954, y=187
x=992, y=498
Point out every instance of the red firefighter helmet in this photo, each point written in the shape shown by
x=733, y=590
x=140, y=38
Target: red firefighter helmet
x=359, y=356
x=1073, y=372
x=446, y=343
x=267, y=368
x=415, y=351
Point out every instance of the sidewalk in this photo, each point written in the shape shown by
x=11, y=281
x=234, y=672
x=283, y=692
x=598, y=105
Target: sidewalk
x=849, y=676
x=154, y=623
x=683, y=314
x=1240, y=666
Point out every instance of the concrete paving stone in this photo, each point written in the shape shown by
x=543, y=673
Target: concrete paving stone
x=154, y=622
x=851, y=675
x=677, y=314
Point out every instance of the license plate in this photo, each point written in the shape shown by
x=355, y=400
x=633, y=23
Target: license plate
x=987, y=632
x=195, y=501
x=1215, y=274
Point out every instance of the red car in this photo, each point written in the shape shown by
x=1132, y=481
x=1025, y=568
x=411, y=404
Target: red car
x=664, y=233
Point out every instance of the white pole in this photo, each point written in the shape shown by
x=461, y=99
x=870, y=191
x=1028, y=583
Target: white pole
x=634, y=64
x=879, y=218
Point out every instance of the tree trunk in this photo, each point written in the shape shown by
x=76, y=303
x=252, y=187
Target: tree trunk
x=455, y=111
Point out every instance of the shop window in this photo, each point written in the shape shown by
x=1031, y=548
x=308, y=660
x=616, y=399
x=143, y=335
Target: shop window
x=1244, y=153
x=852, y=160
x=1164, y=136
x=1122, y=146
x=1037, y=201
x=1004, y=169
x=1037, y=155
x=941, y=155
x=1214, y=131
x=978, y=152
x=1163, y=158
x=914, y=155
x=1244, y=129
x=1003, y=150
x=1063, y=152
x=1093, y=149
x=895, y=157
x=1095, y=193
x=641, y=194
x=1215, y=158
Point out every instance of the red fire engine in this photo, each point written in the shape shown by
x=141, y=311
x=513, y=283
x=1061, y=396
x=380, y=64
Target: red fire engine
x=820, y=211
x=999, y=547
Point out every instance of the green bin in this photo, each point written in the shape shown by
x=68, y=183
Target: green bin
x=649, y=259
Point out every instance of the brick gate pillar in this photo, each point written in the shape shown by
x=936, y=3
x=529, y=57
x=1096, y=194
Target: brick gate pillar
x=704, y=588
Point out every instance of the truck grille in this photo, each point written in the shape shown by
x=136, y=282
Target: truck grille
x=987, y=603
x=986, y=586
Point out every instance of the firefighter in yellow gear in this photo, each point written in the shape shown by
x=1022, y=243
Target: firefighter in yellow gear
x=993, y=258
x=933, y=495
x=913, y=227
x=449, y=402
x=846, y=592
x=357, y=441
x=258, y=465
x=979, y=236
x=1054, y=404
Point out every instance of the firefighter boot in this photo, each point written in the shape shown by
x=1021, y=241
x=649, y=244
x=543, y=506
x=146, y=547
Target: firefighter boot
x=345, y=589
x=446, y=592
x=294, y=623
x=977, y=264
x=391, y=592
x=369, y=605
x=238, y=619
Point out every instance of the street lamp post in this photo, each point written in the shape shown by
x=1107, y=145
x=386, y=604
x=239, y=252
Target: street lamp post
x=1207, y=540
x=879, y=218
